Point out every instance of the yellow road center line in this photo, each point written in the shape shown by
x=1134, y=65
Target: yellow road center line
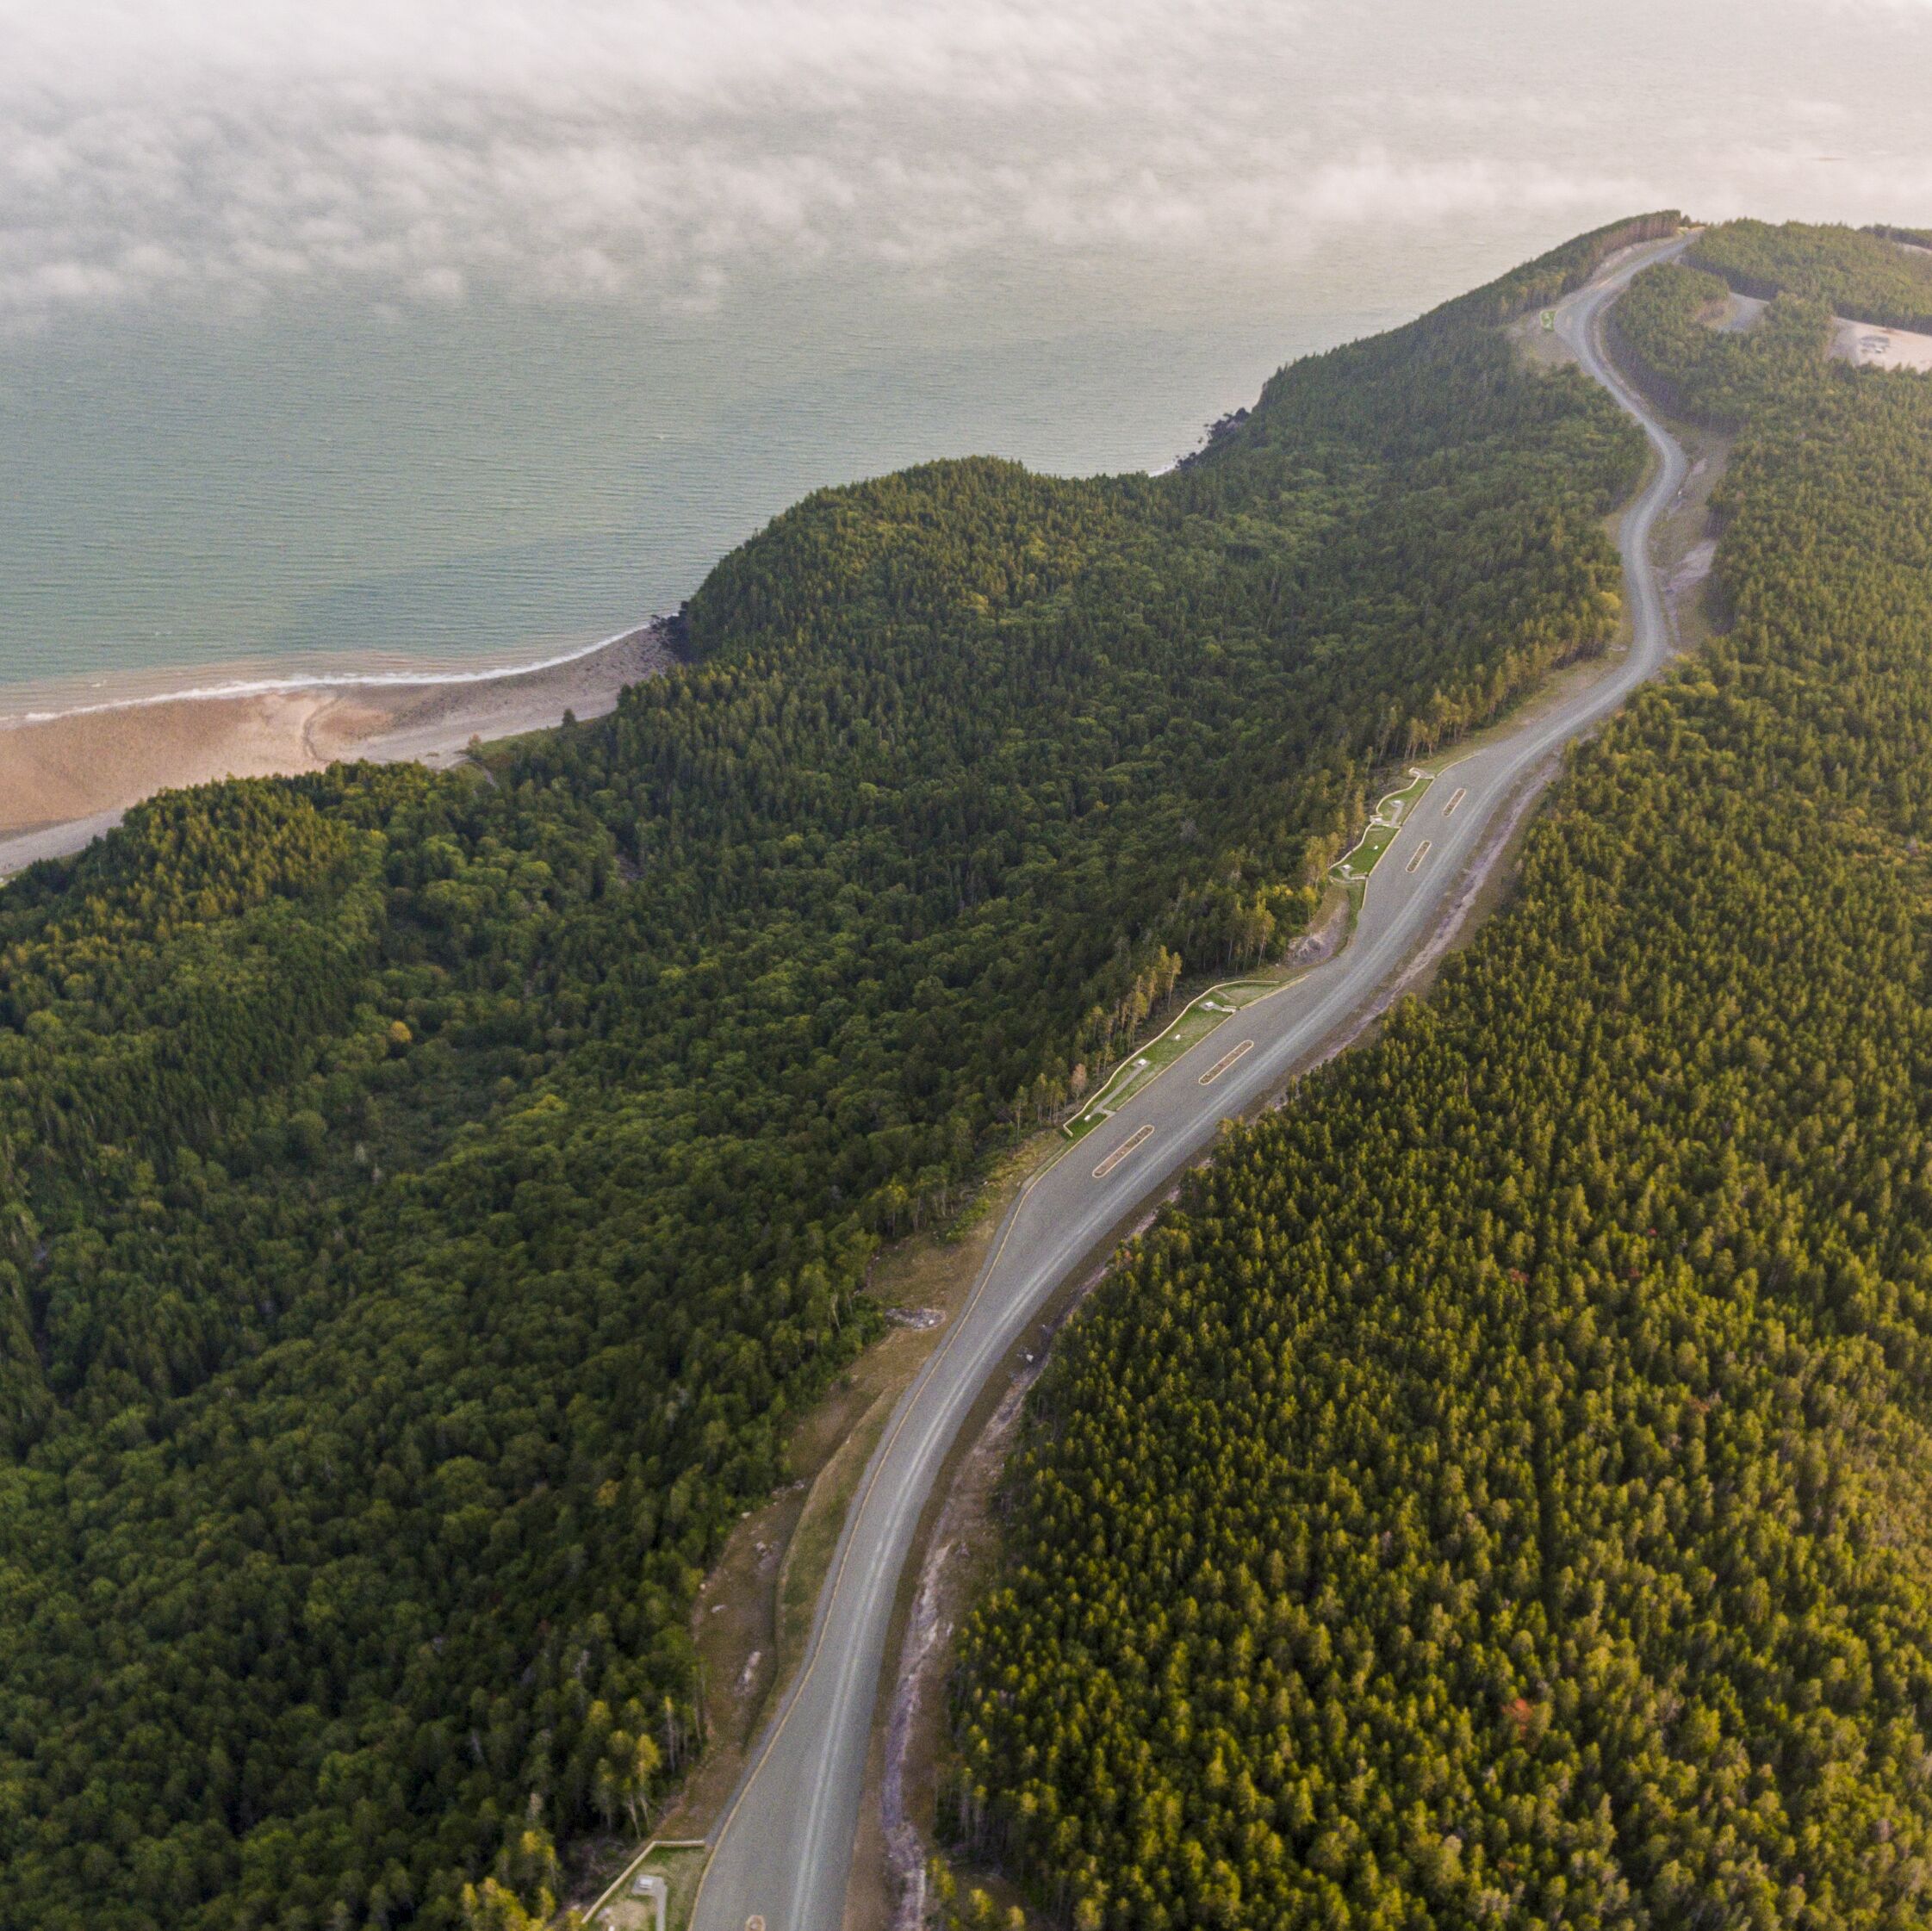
x=1422, y=853
x=1222, y=1064
x=1121, y=1152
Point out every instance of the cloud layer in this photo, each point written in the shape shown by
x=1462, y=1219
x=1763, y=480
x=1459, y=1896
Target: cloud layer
x=225, y=153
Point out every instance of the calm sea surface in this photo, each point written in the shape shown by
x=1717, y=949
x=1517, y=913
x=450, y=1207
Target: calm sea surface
x=326, y=482
x=182, y=502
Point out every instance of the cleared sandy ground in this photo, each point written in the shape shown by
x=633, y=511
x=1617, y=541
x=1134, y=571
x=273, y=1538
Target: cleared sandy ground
x=63, y=780
x=1872, y=347
x=1742, y=314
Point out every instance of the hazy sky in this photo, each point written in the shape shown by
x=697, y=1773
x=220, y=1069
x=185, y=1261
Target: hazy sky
x=226, y=153
x=407, y=332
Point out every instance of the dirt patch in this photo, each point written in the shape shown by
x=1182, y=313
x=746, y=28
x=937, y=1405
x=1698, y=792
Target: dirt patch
x=1687, y=540
x=1689, y=578
x=1536, y=346
x=1867, y=346
x=735, y=1627
x=1324, y=937
x=1736, y=315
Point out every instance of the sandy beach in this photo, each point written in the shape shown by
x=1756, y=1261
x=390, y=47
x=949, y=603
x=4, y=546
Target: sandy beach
x=63, y=780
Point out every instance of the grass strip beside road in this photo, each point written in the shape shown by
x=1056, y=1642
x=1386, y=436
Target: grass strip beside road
x=1390, y=816
x=808, y=1557
x=1198, y=1018
x=1195, y=1019
x=680, y=1863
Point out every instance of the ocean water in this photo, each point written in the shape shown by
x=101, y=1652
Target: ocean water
x=312, y=494
x=281, y=398
x=184, y=501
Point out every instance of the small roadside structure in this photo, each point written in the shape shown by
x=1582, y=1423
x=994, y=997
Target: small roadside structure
x=652, y=1889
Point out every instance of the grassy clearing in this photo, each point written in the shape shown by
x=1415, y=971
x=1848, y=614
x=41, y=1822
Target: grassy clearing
x=1368, y=849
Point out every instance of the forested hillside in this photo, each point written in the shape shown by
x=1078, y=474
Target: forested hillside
x=1496, y=1494
x=425, y=1198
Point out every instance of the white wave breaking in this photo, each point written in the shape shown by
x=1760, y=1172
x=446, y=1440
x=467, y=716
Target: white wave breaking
x=330, y=681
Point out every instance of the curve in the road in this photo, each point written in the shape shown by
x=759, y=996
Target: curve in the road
x=784, y=1850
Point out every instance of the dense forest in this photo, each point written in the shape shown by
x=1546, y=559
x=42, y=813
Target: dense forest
x=1496, y=1492
x=425, y=1198
x=1880, y=275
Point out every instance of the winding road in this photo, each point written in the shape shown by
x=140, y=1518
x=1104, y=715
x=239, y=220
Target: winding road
x=783, y=1851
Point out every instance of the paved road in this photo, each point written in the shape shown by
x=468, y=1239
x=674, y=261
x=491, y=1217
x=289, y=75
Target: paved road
x=784, y=1850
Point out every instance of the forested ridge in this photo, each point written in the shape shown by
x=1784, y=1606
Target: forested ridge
x=1496, y=1492
x=423, y=1199
x=1863, y=273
